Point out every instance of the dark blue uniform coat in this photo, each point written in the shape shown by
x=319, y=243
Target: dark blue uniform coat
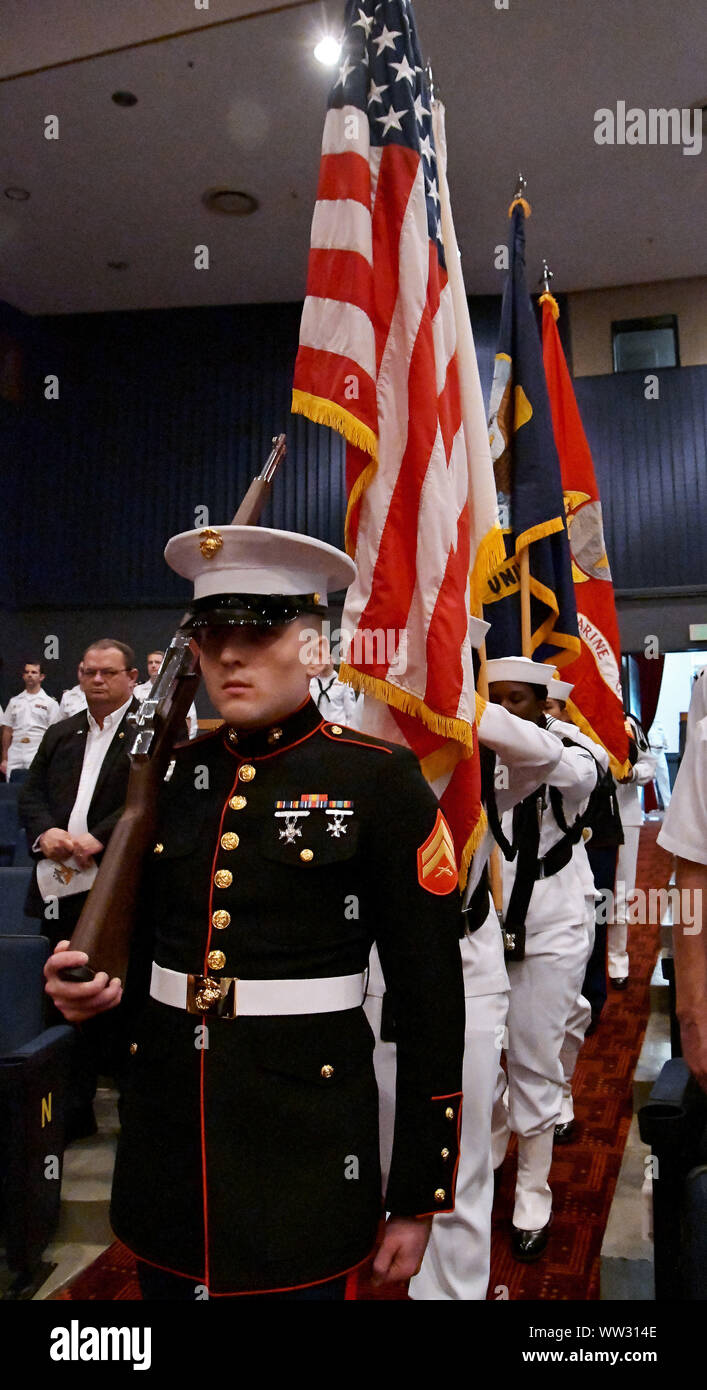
x=251, y=1163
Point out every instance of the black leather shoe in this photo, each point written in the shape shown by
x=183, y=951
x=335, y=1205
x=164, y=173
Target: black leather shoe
x=529, y=1245
x=564, y=1133
x=621, y=983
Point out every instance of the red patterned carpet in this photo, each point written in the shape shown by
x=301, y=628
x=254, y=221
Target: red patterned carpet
x=583, y=1174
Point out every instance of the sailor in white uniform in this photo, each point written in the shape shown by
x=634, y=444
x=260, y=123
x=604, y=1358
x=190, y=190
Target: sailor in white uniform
x=334, y=699
x=684, y=833
x=559, y=722
x=26, y=720
x=456, y=1262
x=74, y=699
x=544, y=916
x=642, y=771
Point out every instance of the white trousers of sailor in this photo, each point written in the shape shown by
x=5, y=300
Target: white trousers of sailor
x=457, y=1259
x=580, y=1017
x=625, y=884
x=458, y=1255
x=544, y=988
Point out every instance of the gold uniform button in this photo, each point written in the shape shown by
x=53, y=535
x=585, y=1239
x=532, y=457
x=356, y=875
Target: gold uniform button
x=306, y=855
x=216, y=960
x=246, y=773
x=440, y=1194
x=326, y=1072
x=449, y=1113
x=336, y=729
x=133, y=1049
x=223, y=878
x=444, y=1153
x=230, y=841
x=158, y=848
x=237, y=803
x=221, y=919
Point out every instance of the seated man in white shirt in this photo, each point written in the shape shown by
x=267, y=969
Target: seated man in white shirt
x=143, y=691
x=69, y=806
x=26, y=719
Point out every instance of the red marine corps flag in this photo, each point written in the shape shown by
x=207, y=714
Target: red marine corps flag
x=597, y=702
x=386, y=358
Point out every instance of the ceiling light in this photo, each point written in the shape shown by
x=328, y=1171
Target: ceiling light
x=124, y=98
x=230, y=201
x=328, y=51
x=18, y=195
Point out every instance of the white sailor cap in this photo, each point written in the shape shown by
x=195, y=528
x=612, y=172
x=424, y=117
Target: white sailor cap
x=477, y=631
x=256, y=576
x=559, y=690
x=518, y=668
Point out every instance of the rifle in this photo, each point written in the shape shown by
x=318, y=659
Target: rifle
x=105, y=927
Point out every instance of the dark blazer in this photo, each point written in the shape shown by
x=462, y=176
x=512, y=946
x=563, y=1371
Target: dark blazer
x=232, y=1159
x=48, y=795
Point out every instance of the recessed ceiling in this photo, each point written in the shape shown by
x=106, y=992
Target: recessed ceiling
x=241, y=106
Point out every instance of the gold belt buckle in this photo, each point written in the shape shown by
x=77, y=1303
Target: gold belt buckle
x=217, y=998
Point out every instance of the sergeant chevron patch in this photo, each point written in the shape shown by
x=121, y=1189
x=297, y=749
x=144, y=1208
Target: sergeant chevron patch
x=436, y=862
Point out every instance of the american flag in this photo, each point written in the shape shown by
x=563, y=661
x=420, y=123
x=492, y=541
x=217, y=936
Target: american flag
x=378, y=360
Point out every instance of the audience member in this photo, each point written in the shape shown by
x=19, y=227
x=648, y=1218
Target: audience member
x=143, y=691
x=74, y=699
x=684, y=833
x=70, y=804
x=26, y=720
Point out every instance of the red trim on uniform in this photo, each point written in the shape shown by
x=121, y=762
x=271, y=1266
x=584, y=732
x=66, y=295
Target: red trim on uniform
x=204, y=1192
x=286, y=1288
x=356, y=742
x=452, y=1096
x=199, y=738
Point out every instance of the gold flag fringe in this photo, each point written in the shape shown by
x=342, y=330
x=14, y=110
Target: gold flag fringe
x=443, y=724
x=490, y=555
x=324, y=412
x=363, y=481
x=471, y=847
x=548, y=298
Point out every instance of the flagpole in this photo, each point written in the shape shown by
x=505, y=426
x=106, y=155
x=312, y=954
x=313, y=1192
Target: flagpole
x=494, y=863
x=525, y=628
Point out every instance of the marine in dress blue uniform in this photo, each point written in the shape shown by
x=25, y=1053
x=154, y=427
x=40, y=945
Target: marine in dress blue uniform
x=248, y=1155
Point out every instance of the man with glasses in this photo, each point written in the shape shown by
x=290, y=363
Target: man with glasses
x=69, y=805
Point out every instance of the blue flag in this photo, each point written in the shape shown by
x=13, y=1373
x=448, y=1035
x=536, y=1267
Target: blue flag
x=528, y=484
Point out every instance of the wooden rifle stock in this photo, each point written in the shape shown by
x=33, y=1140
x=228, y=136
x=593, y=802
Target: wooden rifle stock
x=104, y=929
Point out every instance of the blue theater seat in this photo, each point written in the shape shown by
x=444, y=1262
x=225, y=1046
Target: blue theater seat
x=674, y=1122
x=34, y=1073
x=9, y=829
x=14, y=883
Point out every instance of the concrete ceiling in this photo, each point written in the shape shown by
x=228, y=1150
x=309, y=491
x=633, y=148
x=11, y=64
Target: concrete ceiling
x=242, y=105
